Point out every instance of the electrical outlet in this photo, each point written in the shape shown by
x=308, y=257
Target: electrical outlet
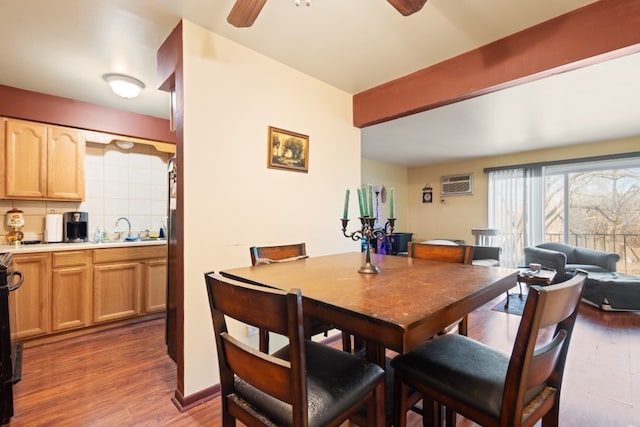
x=251, y=331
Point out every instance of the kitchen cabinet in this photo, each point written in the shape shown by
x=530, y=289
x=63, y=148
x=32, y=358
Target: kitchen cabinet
x=124, y=278
x=70, y=291
x=29, y=305
x=155, y=285
x=71, y=285
x=43, y=162
x=116, y=291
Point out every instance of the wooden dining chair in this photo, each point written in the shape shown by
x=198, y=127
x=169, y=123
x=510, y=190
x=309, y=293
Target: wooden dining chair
x=462, y=254
x=487, y=386
x=280, y=253
x=283, y=253
x=304, y=384
x=269, y=255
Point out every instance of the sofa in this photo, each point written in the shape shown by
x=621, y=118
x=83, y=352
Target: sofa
x=604, y=288
x=565, y=259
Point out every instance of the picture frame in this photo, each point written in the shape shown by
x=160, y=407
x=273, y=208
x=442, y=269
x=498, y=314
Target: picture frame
x=287, y=150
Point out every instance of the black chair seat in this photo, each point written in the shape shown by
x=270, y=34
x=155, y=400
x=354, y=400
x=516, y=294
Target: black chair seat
x=489, y=387
x=443, y=363
x=335, y=379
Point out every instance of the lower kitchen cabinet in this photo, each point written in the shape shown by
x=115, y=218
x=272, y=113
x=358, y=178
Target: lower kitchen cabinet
x=128, y=282
x=29, y=305
x=71, y=290
x=116, y=291
x=68, y=291
x=155, y=285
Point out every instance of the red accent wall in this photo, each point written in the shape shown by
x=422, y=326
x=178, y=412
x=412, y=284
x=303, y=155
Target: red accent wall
x=24, y=104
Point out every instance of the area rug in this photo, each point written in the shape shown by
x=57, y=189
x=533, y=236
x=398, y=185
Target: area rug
x=516, y=304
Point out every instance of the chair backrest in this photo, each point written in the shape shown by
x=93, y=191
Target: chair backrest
x=538, y=359
x=268, y=254
x=462, y=254
x=267, y=308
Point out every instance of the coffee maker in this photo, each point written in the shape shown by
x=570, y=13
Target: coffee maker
x=76, y=225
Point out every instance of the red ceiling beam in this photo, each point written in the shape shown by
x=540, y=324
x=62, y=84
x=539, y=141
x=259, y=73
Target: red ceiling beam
x=597, y=32
x=23, y=104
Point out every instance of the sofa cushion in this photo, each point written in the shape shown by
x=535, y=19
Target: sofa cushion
x=486, y=262
x=570, y=269
x=445, y=242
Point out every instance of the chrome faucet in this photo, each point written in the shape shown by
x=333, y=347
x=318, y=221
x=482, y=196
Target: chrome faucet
x=128, y=222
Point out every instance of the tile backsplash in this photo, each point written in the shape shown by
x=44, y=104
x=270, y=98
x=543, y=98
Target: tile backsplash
x=119, y=183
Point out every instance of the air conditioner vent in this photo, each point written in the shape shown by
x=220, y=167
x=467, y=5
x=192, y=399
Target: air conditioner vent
x=457, y=185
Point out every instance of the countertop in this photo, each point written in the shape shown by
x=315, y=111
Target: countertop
x=54, y=247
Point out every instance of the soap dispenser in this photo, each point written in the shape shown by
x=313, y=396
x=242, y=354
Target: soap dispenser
x=97, y=237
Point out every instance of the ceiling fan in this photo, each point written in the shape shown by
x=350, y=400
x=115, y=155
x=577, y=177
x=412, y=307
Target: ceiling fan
x=245, y=12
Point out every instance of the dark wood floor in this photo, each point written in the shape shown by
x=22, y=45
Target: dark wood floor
x=124, y=378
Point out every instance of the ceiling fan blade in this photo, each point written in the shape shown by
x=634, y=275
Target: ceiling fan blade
x=244, y=12
x=407, y=7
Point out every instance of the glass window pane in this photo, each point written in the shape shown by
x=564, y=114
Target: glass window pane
x=554, y=208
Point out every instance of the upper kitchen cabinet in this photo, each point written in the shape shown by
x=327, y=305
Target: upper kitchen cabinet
x=42, y=162
x=65, y=163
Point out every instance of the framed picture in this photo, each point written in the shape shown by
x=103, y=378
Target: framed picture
x=288, y=150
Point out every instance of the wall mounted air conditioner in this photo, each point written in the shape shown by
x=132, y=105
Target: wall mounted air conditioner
x=456, y=185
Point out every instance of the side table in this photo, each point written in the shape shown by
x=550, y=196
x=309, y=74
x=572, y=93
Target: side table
x=543, y=277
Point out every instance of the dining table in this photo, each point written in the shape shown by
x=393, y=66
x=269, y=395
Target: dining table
x=407, y=302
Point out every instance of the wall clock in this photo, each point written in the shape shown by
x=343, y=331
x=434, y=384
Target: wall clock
x=427, y=194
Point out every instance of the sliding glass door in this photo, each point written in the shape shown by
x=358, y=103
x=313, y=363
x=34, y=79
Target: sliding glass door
x=586, y=204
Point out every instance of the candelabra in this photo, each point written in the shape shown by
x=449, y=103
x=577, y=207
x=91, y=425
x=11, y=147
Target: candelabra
x=371, y=233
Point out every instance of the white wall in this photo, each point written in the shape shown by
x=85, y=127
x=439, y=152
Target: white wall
x=232, y=200
x=455, y=218
x=391, y=176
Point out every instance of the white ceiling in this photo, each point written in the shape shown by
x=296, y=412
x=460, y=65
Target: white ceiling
x=63, y=48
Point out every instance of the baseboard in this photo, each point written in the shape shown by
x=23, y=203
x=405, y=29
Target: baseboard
x=184, y=403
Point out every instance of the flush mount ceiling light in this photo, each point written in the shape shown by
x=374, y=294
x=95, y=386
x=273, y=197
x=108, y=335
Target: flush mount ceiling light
x=125, y=145
x=124, y=86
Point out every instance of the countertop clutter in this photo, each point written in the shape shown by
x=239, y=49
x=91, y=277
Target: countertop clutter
x=56, y=247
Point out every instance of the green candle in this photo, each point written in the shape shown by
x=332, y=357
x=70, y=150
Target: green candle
x=392, y=203
x=345, y=214
x=365, y=209
x=360, y=202
x=370, y=207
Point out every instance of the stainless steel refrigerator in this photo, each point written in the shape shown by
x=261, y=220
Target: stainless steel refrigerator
x=172, y=277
